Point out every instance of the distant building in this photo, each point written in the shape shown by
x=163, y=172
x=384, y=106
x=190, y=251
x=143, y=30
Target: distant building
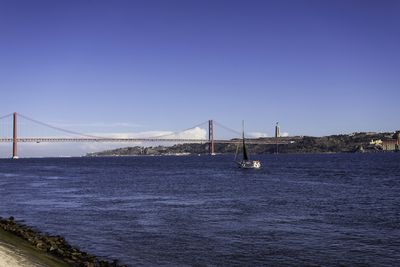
x=376, y=142
x=392, y=144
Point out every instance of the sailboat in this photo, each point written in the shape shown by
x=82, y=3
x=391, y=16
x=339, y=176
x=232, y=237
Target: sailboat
x=246, y=163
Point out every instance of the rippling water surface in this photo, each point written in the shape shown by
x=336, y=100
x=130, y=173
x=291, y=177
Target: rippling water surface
x=179, y=211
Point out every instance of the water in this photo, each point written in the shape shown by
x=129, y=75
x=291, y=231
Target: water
x=341, y=209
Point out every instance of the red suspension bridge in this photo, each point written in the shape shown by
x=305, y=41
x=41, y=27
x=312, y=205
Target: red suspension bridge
x=171, y=137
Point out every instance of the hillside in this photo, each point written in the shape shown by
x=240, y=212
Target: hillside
x=357, y=142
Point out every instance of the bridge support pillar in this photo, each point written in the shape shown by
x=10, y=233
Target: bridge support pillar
x=15, y=156
x=211, y=137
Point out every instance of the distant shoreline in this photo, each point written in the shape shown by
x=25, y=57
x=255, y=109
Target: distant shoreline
x=201, y=155
x=351, y=143
x=232, y=154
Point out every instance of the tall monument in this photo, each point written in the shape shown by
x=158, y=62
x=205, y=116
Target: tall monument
x=277, y=130
x=277, y=135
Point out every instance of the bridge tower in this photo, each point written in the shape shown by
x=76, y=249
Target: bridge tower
x=15, y=156
x=211, y=137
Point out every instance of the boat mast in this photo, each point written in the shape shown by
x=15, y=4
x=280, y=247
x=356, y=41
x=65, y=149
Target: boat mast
x=245, y=155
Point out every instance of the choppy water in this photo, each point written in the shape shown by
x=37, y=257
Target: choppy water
x=177, y=211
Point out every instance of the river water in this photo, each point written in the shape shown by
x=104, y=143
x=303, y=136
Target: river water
x=338, y=209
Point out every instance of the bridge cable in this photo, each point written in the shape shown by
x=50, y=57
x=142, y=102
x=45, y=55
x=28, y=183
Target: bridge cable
x=60, y=129
x=182, y=131
x=227, y=128
x=99, y=137
x=6, y=116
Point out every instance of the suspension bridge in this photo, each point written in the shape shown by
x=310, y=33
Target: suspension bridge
x=170, y=137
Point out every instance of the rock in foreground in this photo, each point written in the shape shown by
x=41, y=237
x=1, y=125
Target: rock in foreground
x=54, y=245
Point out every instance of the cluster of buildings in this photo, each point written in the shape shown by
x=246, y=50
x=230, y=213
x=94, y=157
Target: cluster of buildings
x=389, y=144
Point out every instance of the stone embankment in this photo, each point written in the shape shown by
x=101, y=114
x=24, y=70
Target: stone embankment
x=54, y=245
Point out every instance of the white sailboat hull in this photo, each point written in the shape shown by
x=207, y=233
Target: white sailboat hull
x=249, y=164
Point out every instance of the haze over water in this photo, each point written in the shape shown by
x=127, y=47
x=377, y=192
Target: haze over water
x=178, y=211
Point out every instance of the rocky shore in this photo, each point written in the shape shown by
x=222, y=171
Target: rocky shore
x=54, y=245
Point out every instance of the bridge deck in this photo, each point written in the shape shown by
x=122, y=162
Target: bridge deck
x=266, y=141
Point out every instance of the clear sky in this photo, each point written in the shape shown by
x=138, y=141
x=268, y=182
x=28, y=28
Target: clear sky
x=317, y=67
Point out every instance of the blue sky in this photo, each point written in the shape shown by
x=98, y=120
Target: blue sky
x=317, y=67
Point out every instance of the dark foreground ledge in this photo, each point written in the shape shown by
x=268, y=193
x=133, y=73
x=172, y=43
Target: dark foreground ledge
x=54, y=245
